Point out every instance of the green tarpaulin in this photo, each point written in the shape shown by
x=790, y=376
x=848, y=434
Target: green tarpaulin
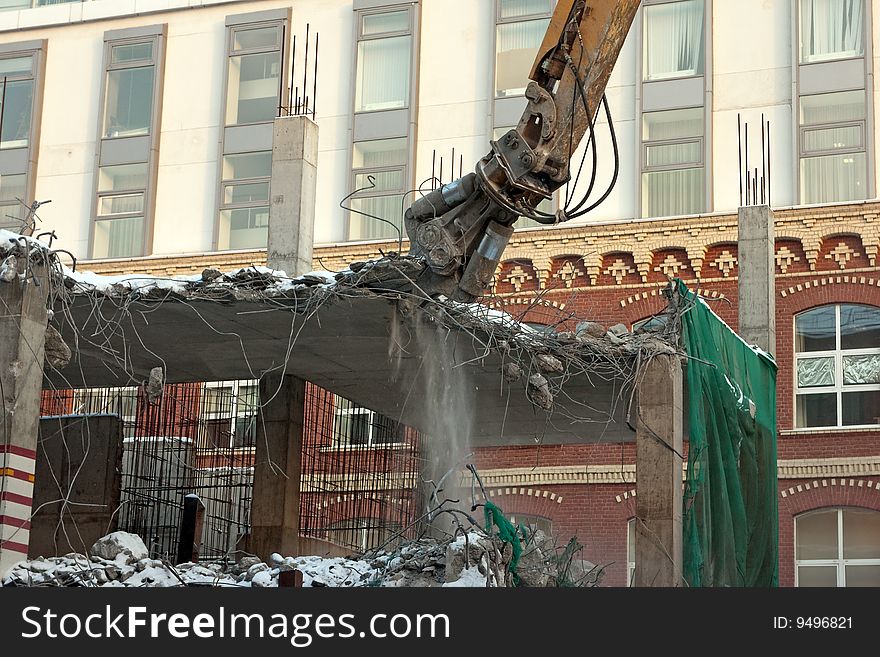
x=730, y=510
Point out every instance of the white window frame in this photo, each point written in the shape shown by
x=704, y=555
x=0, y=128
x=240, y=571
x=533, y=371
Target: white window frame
x=232, y=415
x=528, y=18
x=840, y=563
x=345, y=408
x=361, y=37
x=838, y=388
x=105, y=398
x=630, y=549
x=644, y=36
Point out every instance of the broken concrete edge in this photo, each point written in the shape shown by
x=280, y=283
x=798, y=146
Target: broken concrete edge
x=545, y=358
x=392, y=278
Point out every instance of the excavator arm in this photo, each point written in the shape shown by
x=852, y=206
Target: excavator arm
x=463, y=228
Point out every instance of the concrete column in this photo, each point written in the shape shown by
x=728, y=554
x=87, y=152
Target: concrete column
x=22, y=342
x=278, y=467
x=757, y=272
x=294, y=189
x=658, y=529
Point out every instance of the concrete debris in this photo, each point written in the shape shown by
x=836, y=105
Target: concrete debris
x=511, y=372
x=539, y=391
x=209, y=274
x=58, y=354
x=593, y=329
x=9, y=269
x=155, y=384
x=120, y=543
x=549, y=364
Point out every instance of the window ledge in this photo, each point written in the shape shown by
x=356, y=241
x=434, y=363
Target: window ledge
x=824, y=430
x=363, y=448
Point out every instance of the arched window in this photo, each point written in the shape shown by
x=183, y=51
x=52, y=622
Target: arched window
x=533, y=522
x=838, y=547
x=837, y=369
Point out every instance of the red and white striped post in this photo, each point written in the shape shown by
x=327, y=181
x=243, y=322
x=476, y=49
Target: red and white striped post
x=23, y=320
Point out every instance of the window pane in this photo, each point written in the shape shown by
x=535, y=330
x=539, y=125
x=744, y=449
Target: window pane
x=674, y=40
x=247, y=193
x=834, y=178
x=368, y=228
x=16, y=66
x=831, y=29
x=129, y=108
x=247, y=165
x=671, y=154
x=260, y=37
x=14, y=4
x=815, y=330
x=863, y=575
x=391, y=21
x=861, y=534
x=383, y=70
x=817, y=576
x=861, y=408
x=670, y=193
x=122, y=177
x=253, y=88
x=244, y=228
x=123, y=204
x=861, y=369
x=817, y=536
x=131, y=52
x=815, y=372
x=12, y=189
x=119, y=238
x=383, y=181
x=672, y=124
x=11, y=216
x=519, y=8
x=516, y=48
x=218, y=400
x=859, y=327
x=830, y=139
x=17, y=114
x=379, y=153
x=833, y=108
x=817, y=410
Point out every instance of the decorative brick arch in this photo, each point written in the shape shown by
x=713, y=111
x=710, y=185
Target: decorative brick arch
x=828, y=492
x=532, y=501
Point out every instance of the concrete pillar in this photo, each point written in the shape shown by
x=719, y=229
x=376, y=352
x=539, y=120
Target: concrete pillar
x=22, y=342
x=294, y=189
x=757, y=271
x=658, y=529
x=277, y=467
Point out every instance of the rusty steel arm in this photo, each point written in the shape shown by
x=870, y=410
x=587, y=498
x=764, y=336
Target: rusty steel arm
x=463, y=228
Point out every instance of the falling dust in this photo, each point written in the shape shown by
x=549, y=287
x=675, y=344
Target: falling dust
x=443, y=393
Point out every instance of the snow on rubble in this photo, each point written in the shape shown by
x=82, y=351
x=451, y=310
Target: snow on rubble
x=121, y=559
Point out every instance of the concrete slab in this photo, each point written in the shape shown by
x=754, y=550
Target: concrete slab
x=363, y=346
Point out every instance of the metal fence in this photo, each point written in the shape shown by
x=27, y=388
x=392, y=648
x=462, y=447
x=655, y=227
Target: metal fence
x=360, y=470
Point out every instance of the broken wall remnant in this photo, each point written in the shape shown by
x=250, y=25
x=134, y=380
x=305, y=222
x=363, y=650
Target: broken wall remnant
x=76, y=483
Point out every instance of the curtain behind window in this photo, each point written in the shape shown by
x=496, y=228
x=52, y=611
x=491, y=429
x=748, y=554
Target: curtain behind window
x=832, y=29
x=383, y=74
x=674, y=40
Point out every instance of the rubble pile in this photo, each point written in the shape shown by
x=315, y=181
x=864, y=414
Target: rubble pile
x=121, y=559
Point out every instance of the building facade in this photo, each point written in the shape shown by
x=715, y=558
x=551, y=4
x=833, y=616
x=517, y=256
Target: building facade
x=148, y=124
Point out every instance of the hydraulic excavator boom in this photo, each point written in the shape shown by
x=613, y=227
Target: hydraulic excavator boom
x=463, y=228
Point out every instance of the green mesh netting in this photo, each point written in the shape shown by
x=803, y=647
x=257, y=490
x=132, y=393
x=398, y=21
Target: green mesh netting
x=506, y=532
x=730, y=509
